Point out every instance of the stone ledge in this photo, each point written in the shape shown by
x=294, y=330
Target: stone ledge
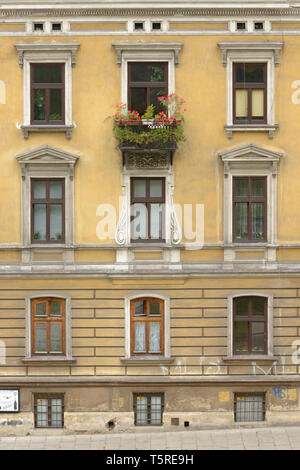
x=247, y=358
x=39, y=360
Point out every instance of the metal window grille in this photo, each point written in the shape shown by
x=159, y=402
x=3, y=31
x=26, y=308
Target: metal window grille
x=249, y=407
x=148, y=409
x=49, y=411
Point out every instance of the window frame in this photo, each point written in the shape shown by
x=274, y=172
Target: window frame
x=249, y=199
x=36, y=319
x=47, y=201
x=250, y=394
x=250, y=319
x=147, y=319
x=249, y=87
x=48, y=396
x=47, y=87
x=148, y=396
x=147, y=200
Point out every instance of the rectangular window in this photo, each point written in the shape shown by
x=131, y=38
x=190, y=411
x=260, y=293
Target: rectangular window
x=48, y=326
x=148, y=409
x=249, y=407
x=250, y=325
x=249, y=93
x=147, y=209
x=146, y=82
x=249, y=209
x=49, y=411
x=47, y=93
x=47, y=210
x=147, y=326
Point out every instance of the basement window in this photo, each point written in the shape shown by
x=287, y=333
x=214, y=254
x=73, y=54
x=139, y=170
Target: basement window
x=249, y=407
x=56, y=26
x=49, y=411
x=148, y=409
x=258, y=26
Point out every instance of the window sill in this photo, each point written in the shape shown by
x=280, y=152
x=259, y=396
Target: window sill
x=251, y=127
x=38, y=360
x=147, y=360
x=68, y=129
x=247, y=358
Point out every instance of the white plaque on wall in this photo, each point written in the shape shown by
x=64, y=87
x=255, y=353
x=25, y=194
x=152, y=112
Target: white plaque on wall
x=9, y=401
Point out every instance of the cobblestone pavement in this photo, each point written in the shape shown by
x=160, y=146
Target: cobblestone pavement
x=271, y=438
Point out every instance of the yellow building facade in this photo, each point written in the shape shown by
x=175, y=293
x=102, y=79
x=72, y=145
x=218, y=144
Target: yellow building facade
x=149, y=283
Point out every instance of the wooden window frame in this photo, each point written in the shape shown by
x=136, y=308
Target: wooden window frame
x=48, y=320
x=49, y=397
x=47, y=87
x=147, y=200
x=148, y=396
x=47, y=201
x=250, y=87
x=251, y=319
x=250, y=394
x=147, y=319
x=147, y=85
x=249, y=199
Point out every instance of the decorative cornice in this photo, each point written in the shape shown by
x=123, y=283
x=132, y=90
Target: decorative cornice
x=173, y=47
x=71, y=48
x=226, y=47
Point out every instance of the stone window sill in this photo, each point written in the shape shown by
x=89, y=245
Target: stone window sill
x=38, y=360
x=251, y=127
x=47, y=128
x=147, y=360
x=247, y=358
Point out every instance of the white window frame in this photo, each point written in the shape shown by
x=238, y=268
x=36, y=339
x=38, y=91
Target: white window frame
x=47, y=54
x=248, y=293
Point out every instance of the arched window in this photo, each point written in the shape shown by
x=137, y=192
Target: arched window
x=250, y=325
x=147, y=326
x=48, y=326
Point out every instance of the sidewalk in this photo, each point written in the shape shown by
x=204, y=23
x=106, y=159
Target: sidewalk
x=275, y=438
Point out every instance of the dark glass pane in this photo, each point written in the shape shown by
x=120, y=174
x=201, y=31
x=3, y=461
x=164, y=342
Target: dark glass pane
x=154, y=94
x=241, y=306
x=139, y=308
x=55, y=308
x=249, y=73
x=258, y=187
x=258, y=306
x=154, y=308
x=39, y=229
x=258, y=336
x=241, y=187
x=55, y=105
x=147, y=72
x=241, y=220
x=257, y=221
x=39, y=105
x=241, y=336
x=47, y=73
x=40, y=308
x=139, y=99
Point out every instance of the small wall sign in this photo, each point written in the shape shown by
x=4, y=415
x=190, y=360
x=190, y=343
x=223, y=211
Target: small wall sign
x=9, y=401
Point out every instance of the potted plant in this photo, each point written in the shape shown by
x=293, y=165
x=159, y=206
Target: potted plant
x=126, y=117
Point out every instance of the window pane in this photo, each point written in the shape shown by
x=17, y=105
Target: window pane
x=39, y=230
x=40, y=308
x=56, y=413
x=56, y=221
x=154, y=94
x=138, y=99
x=41, y=337
x=258, y=104
x=258, y=306
x=241, y=306
x=139, y=188
x=258, y=336
x=241, y=336
x=257, y=220
x=154, y=337
x=55, y=337
x=140, y=337
x=154, y=308
x=141, y=72
x=249, y=73
x=139, y=308
x=39, y=189
x=156, y=410
x=139, y=221
x=258, y=187
x=55, y=309
x=156, y=221
x=241, y=187
x=249, y=408
x=141, y=410
x=39, y=105
x=156, y=188
x=241, y=220
x=46, y=73
x=55, y=105
x=241, y=104
x=55, y=189
x=42, y=413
